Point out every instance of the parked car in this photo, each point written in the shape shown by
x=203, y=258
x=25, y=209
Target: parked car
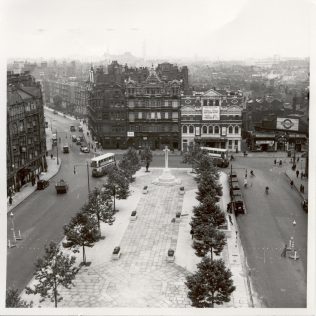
x=42, y=184
x=72, y=128
x=84, y=149
x=305, y=205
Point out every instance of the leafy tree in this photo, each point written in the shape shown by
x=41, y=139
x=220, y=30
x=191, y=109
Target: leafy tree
x=52, y=271
x=192, y=155
x=147, y=156
x=100, y=206
x=211, y=284
x=204, y=164
x=127, y=168
x=13, y=299
x=81, y=232
x=132, y=156
x=208, y=186
x=117, y=185
x=209, y=239
x=209, y=213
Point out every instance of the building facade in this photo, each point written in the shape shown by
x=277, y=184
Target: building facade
x=212, y=119
x=26, y=141
x=107, y=113
x=153, y=112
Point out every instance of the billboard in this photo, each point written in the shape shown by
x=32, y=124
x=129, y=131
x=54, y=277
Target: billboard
x=210, y=113
x=288, y=124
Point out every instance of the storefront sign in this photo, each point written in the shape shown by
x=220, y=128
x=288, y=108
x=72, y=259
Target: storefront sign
x=264, y=142
x=210, y=113
x=130, y=134
x=287, y=124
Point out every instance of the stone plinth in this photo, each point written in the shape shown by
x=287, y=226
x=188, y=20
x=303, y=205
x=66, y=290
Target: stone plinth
x=166, y=178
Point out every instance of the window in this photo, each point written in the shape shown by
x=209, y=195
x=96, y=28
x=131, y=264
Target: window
x=236, y=130
x=184, y=129
x=175, y=115
x=131, y=117
x=204, y=129
x=230, y=130
x=159, y=115
x=205, y=102
x=211, y=103
x=216, y=130
x=191, y=129
x=210, y=129
x=230, y=144
x=139, y=115
x=236, y=143
x=217, y=102
x=152, y=115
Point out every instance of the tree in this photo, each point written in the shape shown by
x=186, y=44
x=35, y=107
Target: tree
x=208, y=239
x=100, y=206
x=204, y=164
x=208, y=186
x=211, y=284
x=147, y=156
x=132, y=156
x=209, y=213
x=81, y=232
x=117, y=185
x=127, y=168
x=192, y=155
x=13, y=299
x=52, y=271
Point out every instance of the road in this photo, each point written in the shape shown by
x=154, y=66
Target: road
x=41, y=217
x=265, y=229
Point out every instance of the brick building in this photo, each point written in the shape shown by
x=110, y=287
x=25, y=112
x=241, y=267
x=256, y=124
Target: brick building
x=153, y=112
x=26, y=141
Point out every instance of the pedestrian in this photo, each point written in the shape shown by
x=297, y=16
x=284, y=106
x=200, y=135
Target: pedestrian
x=280, y=163
x=298, y=159
x=10, y=200
x=230, y=219
x=291, y=183
x=192, y=233
x=297, y=173
x=303, y=188
x=302, y=175
x=51, y=156
x=275, y=161
x=283, y=253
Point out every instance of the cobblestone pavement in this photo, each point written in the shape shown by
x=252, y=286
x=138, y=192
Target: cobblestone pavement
x=141, y=277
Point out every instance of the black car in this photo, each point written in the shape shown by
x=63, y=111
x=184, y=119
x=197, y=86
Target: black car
x=305, y=205
x=42, y=184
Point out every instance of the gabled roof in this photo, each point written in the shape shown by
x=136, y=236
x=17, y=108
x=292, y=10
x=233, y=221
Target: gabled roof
x=212, y=93
x=153, y=77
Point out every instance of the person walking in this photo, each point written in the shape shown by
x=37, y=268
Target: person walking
x=275, y=161
x=291, y=183
x=283, y=253
x=280, y=163
x=51, y=156
x=192, y=233
x=297, y=173
x=302, y=188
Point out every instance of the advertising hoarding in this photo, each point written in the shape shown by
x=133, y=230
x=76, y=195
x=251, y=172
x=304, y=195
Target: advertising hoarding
x=210, y=113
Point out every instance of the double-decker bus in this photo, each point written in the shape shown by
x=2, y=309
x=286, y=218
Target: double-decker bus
x=101, y=163
x=219, y=155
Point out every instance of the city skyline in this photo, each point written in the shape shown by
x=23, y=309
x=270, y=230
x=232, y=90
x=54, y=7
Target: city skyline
x=223, y=30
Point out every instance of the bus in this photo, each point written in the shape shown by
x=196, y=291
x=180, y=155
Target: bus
x=101, y=163
x=220, y=156
x=54, y=139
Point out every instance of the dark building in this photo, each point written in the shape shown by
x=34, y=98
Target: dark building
x=107, y=113
x=153, y=112
x=26, y=141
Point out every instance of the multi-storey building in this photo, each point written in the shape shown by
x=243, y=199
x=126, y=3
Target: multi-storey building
x=153, y=112
x=212, y=119
x=107, y=113
x=26, y=142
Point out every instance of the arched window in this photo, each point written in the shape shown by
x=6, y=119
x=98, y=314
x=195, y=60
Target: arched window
x=230, y=130
x=216, y=130
x=217, y=102
x=236, y=130
x=210, y=129
x=184, y=129
x=204, y=129
x=191, y=129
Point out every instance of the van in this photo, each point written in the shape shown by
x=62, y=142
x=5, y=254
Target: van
x=66, y=149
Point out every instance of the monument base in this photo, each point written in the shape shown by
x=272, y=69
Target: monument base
x=166, y=179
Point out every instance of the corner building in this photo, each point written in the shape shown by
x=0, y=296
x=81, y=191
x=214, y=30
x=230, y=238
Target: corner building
x=153, y=112
x=213, y=119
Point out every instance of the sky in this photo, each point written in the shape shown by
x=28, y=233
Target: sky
x=213, y=29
